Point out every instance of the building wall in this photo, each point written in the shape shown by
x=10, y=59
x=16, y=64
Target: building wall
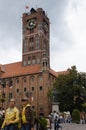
x=35, y=87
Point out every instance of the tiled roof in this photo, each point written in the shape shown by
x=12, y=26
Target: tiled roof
x=16, y=69
x=58, y=73
x=53, y=72
x=62, y=72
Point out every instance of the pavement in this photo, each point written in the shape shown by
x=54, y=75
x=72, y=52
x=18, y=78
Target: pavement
x=71, y=126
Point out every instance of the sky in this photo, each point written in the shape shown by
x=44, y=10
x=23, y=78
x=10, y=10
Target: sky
x=67, y=31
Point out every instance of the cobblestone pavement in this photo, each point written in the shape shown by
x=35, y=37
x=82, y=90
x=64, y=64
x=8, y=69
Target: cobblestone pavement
x=72, y=126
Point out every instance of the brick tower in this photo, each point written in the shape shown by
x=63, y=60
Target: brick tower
x=36, y=39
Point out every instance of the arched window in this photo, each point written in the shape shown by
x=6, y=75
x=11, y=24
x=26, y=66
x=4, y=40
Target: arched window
x=32, y=78
x=17, y=81
x=24, y=80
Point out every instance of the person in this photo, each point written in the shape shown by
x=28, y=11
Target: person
x=55, y=114
x=56, y=123
x=11, y=117
x=48, y=123
x=27, y=116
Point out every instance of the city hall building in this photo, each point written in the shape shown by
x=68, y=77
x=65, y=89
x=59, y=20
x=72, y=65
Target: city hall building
x=32, y=77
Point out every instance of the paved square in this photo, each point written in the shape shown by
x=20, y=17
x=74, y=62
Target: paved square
x=72, y=126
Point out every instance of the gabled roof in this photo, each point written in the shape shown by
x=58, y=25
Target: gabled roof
x=16, y=69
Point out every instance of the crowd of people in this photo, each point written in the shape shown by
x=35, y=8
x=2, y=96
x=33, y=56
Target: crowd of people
x=58, y=118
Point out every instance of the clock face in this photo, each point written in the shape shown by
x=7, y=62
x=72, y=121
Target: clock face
x=45, y=26
x=31, y=23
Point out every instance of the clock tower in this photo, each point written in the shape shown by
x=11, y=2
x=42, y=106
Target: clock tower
x=36, y=39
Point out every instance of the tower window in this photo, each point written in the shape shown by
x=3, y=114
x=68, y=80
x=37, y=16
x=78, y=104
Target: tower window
x=33, y=60
x=24, y=61
x=45, y=46
x=29, y=60
x=31, y=48
x=31, y=30
x=38, y=61
x=37, y=42
x=26, y=45
x=31, y=39
x=31, y=43
x=44, y=55
x=40, y=26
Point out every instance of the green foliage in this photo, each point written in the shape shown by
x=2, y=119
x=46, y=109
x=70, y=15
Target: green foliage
x=71, y=89
x=42, y=124
x=76, y=116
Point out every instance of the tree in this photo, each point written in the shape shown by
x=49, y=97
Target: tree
x=76, y=116
x=70, y=90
